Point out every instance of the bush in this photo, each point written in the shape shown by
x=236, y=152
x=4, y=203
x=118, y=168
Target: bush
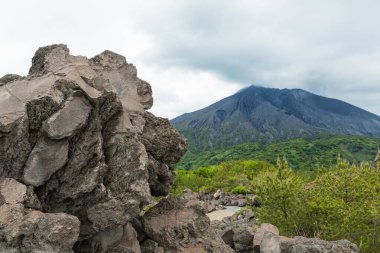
x=342, y=202
x=282, y=197
x=226, y=176
x=345, y=203
x=240, y=190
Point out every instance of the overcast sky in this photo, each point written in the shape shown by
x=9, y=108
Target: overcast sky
x=195, y=52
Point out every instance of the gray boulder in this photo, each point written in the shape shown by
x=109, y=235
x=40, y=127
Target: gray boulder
x=189, y=195
x=228, y=236
x=181, y=226
x=264, y=228
x=115, y=240
x=149, y=246
x=270, y=243
x=315, y=245
x=12, y=192
x=267, y=240
x=243, y=240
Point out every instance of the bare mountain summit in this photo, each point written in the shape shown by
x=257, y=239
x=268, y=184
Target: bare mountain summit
x=272, y=114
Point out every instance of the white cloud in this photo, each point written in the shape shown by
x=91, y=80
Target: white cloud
x=194, y=52
x=179, y=90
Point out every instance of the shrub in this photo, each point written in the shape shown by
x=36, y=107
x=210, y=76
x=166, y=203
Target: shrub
x=240, y=190
x=226, y=176
x=342, y=202
x=282, y=197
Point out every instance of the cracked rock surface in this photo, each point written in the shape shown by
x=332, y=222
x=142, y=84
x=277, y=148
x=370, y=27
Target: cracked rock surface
x=79, y=154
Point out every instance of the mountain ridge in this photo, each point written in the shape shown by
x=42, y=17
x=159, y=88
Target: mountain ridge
x=259, y=113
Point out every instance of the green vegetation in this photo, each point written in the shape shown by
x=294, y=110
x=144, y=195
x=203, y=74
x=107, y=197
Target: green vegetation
x=342, y=202
x=303, y=153
x=230, y=176
x=337, y=202
x=281, y=195
x=240, y=190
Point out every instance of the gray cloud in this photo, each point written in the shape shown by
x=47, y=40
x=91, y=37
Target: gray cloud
x=328, y=47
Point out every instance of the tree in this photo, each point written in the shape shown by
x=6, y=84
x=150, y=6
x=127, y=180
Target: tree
x=344, y=202
x=282, y=198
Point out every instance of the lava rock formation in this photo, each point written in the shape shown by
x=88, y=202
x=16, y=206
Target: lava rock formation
x=79, y=154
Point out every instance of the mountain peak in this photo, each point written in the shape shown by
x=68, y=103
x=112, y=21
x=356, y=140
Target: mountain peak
x=256, y=112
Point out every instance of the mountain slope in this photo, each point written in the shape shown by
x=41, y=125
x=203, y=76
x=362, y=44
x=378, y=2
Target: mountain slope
x=302, y=153
x=257, y=113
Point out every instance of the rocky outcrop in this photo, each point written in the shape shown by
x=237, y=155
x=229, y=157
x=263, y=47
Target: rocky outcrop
x=24, y=228
x=267, y=240
x=219, y=199
x=82, y=154
x=8, y=78
x=181, y=226
x=303, y=245
x=236, y=230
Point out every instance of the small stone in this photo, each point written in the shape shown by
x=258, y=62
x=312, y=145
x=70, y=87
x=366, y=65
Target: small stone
x=242, y=202
x=219, y=193
x=189, y=194
x=12, y=191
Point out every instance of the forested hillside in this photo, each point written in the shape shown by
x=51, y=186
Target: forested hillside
x=302, y=153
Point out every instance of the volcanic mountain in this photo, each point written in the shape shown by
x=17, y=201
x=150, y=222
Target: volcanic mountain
x=257, y=113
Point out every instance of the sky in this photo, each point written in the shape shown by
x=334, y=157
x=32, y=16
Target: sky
x=194, y=53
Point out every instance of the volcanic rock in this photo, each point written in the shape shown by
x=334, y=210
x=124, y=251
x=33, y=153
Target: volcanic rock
x=22, y=228
x=8, y=78
x=264, y=229
x=303, y=245
x=181, y=226
x=76, y=133
x=149, y=246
